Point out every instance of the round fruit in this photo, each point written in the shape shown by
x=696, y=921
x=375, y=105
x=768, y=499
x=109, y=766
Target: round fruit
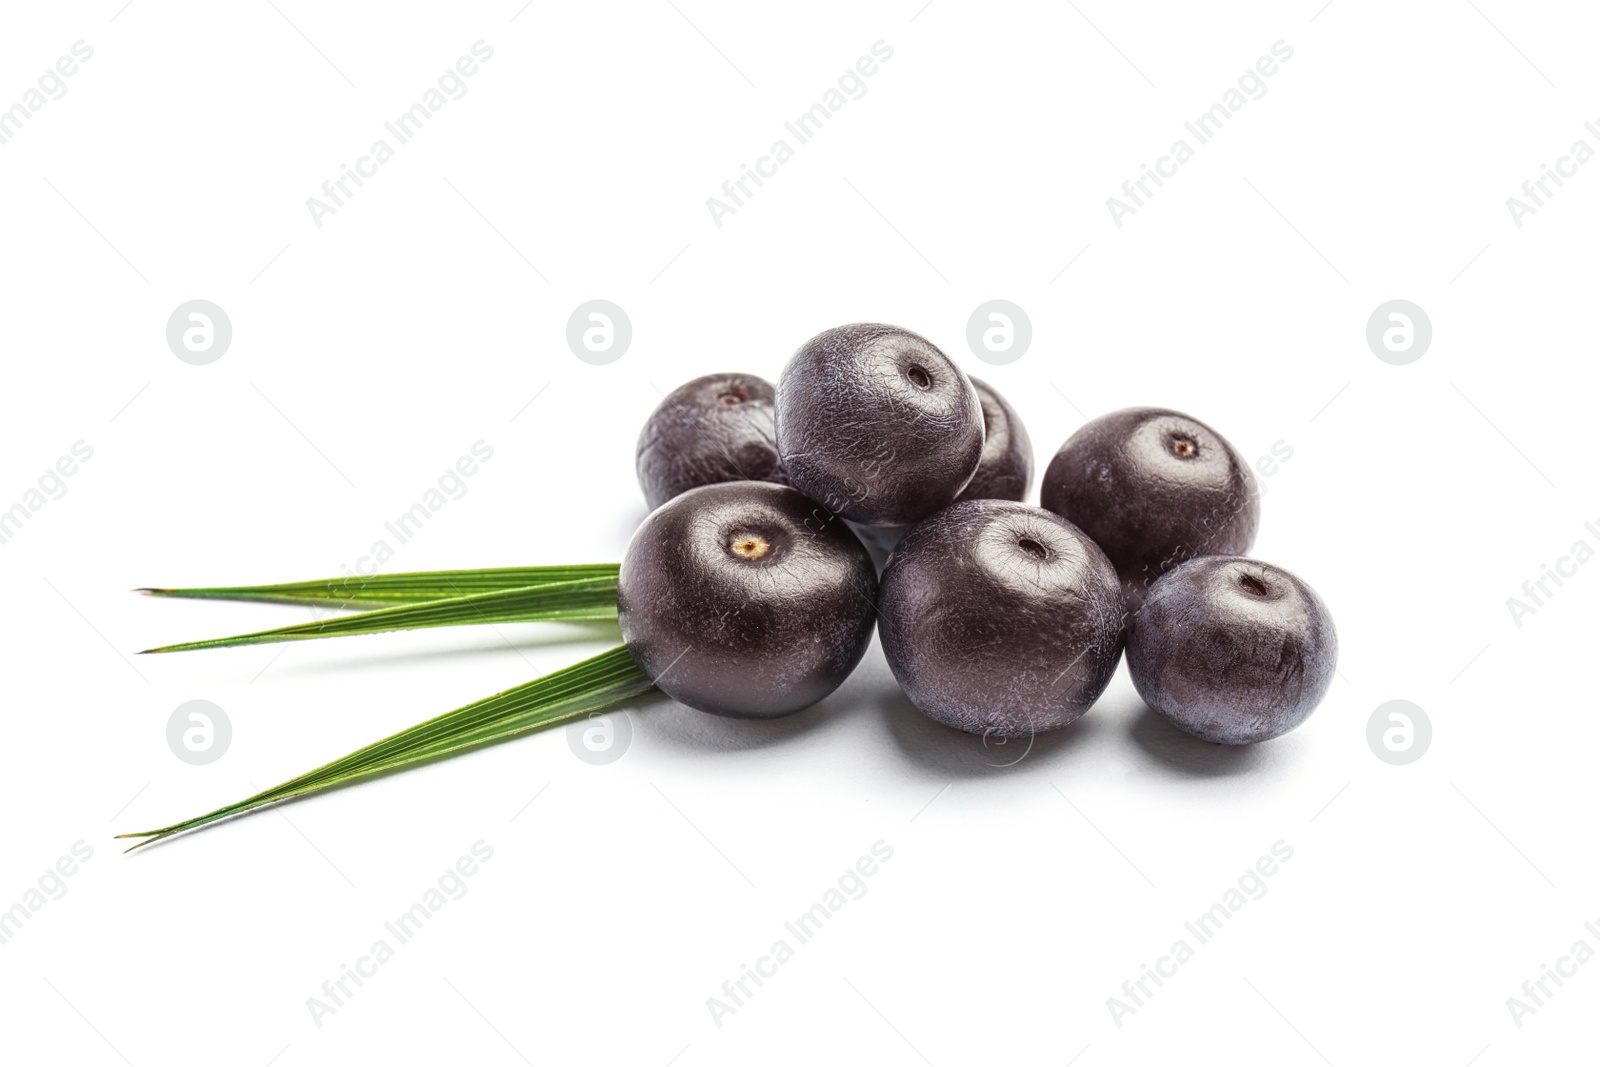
x=1004, y=469
x=1006, y=466
x=1000, y=619
x=744, y=599
x=1232, y=650
x=718, y=428
x=1153, y=488
x=877, y=424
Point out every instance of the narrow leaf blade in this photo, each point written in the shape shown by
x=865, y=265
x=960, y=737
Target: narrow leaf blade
x=556, y=698
x=414, y=587
x=584, y=599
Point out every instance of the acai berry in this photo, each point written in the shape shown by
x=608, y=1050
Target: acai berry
x=717, y=428
x=1000, y=619
x=1006, y=467
x=877, y=425
x=1154, y=488
x=746, y=599
x=1232, y=650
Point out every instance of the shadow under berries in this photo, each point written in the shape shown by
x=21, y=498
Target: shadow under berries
x=1188, y=755
x=945, y=752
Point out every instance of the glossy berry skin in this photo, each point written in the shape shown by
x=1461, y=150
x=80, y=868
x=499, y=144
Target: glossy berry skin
x=1153, y=488
x=745, y=599
x=1005, y=468
x=1000, y=619
x=1232, y=650
x=877, y=425
x=717, y=428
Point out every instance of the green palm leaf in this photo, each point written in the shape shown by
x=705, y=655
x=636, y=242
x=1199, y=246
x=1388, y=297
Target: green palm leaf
x=411, y=588
x=556, y=698
x=586, y=598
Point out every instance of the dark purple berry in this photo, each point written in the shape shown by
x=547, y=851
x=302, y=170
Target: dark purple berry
x=745, y=599
x=877, y=424
x=1232, y=650
x=1006, y=467
x=718, y=428
x=1000, y=619
x=1153, y=488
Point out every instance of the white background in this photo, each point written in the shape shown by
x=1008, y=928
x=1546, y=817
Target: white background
x=429, y=313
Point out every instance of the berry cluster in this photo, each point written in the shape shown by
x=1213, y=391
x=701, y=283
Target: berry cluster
x=752, y=589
